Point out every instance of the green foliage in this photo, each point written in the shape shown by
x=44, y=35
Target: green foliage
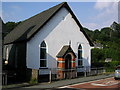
x=10, y=26
x=33, y=81
x=110, y=38
x=97, y=55
x=110, y=66
x=89, y=33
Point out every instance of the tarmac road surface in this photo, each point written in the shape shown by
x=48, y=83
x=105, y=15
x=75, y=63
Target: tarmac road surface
x=108, y=83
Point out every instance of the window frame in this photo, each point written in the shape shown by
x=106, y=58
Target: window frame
x=40, y=59
x=7, y=53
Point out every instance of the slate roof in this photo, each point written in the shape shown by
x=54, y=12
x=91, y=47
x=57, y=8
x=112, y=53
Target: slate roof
x=64, y=50
x=28, y=28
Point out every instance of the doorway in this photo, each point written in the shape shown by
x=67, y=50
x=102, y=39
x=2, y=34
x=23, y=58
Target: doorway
x=67, y=72
x=68, y=61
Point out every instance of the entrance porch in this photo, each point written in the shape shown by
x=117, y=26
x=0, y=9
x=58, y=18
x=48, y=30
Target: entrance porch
x=66, y=63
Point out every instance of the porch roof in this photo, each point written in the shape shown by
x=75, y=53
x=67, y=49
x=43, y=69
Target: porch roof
x=65, y=49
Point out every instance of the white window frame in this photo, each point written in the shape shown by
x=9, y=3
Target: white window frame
x=7, y=51
x=40, y=54
x=6, y=54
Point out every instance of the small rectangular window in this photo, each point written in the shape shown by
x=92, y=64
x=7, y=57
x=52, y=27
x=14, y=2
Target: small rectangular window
x=42, y=63
x=43, y=53
x=80, y=63
x=79, y=54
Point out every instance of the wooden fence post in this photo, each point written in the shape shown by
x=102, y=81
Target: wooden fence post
x=85, y=72
x=50, y=76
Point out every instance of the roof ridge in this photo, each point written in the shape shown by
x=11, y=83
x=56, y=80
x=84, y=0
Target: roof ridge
x=31, y=20
x=40, y=13
x=45, y=10
x=23, y=33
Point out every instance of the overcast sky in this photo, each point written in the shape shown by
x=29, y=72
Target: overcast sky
x=92, y=15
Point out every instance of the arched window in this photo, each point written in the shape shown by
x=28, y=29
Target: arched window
x=43, y=55
x=80, y=60
x=7, y=53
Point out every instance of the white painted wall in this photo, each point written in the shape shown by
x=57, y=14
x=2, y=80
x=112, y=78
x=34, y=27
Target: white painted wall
x=56, y=33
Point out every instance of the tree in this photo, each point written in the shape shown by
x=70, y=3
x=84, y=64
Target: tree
x=95, y=35
x=10, y=26
x=97, y=56
x=110, y=38
x=88, y=32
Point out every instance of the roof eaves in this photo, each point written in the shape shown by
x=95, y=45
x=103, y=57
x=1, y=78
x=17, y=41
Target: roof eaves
x=31, y=34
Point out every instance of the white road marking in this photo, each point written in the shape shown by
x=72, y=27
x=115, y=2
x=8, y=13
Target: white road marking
x=69, y=86
x=106, y=84
x=65, y=87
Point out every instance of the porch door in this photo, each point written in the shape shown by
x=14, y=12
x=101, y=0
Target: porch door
x=67, y=65
x=68, y=61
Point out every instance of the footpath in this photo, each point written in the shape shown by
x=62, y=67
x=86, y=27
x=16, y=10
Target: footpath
x=59, y=83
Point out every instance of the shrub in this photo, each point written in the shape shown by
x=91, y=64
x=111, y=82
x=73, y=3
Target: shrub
x=33, y=81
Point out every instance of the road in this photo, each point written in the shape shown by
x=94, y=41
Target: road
x=108, y=83
x=84, y=83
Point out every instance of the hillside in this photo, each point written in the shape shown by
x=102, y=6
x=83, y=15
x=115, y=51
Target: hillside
x=109, y=37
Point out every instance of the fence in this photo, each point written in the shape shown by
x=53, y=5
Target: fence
x=94, y=71
x=57, y=74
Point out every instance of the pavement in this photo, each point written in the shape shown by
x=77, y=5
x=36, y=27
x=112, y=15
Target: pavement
x=59, y=83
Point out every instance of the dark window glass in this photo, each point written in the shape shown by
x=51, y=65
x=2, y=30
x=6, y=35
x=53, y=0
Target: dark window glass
x=79, y=52
x=79, y=62
x=43, y=53
x=79, y=55
x=43, y=44
x=42, y=63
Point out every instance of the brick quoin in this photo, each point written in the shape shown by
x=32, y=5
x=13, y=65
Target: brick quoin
x=61, y=66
